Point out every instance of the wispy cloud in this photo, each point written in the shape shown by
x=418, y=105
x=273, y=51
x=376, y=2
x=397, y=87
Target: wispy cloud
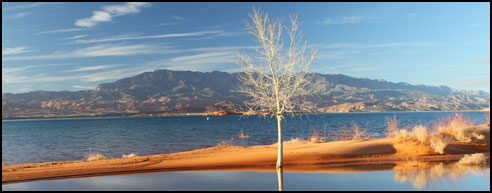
x=472, y=83
x=19, y=15
x=475, y=25
x=412, y=14
x=209, y=59
x=177, y=18
x=133, y=37
x=363, y=69
x=92, y=68
x=31, y=5
x=74, y=37
x=97, y=50
x=62, y=30
x=97, y=16
x=483, y=61
x=343, y=20
x=108, y=12
x=377, y=45
x=83, y=87
x=12, y=74
x=87, y=77
x=16, y=50
x=168, y=23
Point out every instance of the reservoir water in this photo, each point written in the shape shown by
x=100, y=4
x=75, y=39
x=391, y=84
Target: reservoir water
x=46, y=140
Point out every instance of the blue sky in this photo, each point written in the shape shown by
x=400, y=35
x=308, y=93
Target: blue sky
x=77, y=46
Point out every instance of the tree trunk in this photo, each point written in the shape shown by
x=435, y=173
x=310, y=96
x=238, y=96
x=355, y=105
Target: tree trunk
x=280, y=176
x=280, y=144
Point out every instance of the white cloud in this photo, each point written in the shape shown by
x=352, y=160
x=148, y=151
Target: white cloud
x=167, y=23
x=83, y=87
x=363, y=69
x=343, y=20
x=130, y=7
x=377, y=45
x=109, y=12
x=91, y=68
x=126, y=37
x=62, y=30
x=177, y=18
x=206, y=61
x=91, y=77
x=475, y=25
x=483, y=61
x=31, y=5
x=412, y=14
x=19, y=15
x=74, y=37
x=201, y=57
x=97, y=16
x=97, y=50
x=16, y=50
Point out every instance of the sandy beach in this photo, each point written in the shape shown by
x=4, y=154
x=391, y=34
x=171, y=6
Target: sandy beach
x=299, y=156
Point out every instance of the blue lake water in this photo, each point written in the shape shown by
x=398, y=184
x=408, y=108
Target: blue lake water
x=30, y=141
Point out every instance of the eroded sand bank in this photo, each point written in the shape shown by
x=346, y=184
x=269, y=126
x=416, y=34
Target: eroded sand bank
x=339, y=156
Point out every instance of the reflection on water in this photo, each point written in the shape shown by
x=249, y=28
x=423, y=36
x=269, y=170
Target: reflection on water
x=280, y=174
x=434, y=175
x=419, y=176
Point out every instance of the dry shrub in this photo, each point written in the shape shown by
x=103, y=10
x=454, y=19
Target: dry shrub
x=132, y=155
x=473, y=159
x=317, y=136
x=243, y=136
x=295, y=140
x=402, y=135
x=224, y=143
x=420, y=133
x=391, y=127
x=94, y=157
x=343, y=135
x=358, y=134
x=455, y=125
x=439, y=141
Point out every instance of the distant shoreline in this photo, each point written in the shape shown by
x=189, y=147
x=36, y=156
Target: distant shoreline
x=207, y=114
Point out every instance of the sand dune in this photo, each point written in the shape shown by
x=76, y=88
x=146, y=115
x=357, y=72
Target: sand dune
x=304, y=156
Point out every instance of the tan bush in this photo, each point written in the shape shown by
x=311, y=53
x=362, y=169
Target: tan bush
x=224, y=143
x=317, y=136
x=439, y=141
x=391, y=127
x=129, y=155
x=421, y=133
x=243, y=135
x=94, y=157
x=473, y=159
x=402, y=135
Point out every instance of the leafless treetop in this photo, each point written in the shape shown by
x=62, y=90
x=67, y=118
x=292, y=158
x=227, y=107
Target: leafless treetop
x=276, y=76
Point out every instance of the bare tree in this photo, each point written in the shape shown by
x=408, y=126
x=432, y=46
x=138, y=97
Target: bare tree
x=276, y=76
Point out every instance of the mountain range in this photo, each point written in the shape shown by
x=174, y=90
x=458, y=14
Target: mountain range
x=164, y=92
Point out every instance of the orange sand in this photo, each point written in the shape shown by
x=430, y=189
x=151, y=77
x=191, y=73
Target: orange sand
x=341, y=156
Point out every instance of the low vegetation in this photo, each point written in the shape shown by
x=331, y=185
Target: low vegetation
x=473, y=159
x=439, y=141
x=129, y=155
x=317, y=136
x=242, y=135
x=446, y=130
x=225, y=143
x=420, y=133
x=96, y=156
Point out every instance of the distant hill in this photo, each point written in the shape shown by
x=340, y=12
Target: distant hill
x=171, y=92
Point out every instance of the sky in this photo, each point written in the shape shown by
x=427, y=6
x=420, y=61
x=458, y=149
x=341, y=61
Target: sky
x=77, y=46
